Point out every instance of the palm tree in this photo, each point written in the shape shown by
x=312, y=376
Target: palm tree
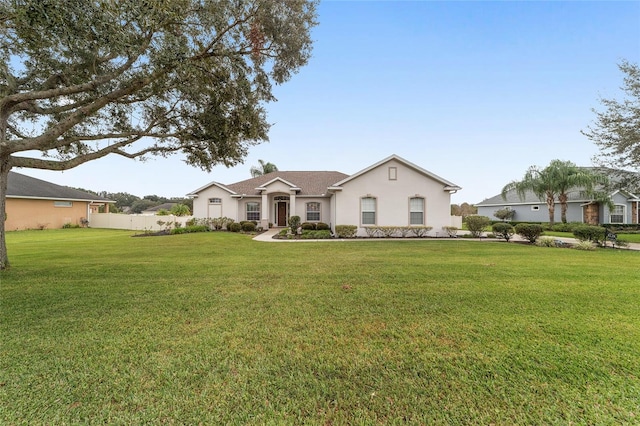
x=558, y=179
x=541, y=183
x=263, y=169
x=568, y=177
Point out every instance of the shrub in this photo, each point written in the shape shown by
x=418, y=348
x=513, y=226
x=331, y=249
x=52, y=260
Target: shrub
x=529, y=231
x=346, y=231
x=235, y=227
x=504, y=214
x=180, y=210
x=503, y=230
x=420, y=231
x=308, y=226
x=388, y=231
x=373, y=231
x=162, y=212
x=248, y=227
x=316, y=235
x=565, y=227
x=294, y=222
x=452, y=231
x=546, y=242
x=321, y=226
x=589, y=233
x=476, y=224
x=584, y=245
x=191, y=222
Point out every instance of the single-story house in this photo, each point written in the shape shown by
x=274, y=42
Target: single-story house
x=37, y=204
x=391, y=192
x=579, y=208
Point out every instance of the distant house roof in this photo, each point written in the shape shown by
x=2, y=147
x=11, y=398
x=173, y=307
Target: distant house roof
x=309, y=183
x=164, y=206
x=22, y=186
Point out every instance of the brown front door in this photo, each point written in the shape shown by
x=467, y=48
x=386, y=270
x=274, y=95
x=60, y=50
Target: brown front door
x=282, y=214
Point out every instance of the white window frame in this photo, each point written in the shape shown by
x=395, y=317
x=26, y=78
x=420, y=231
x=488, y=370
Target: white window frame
x=393, y=173
x=65, y=204
x=368, y=222
x=535, y=208
x=411, y=211
x=313, y=212
x=623, y=213
x=215, y=200
x=253, y=212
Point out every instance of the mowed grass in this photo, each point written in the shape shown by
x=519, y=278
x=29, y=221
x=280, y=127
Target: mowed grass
x=98, y=327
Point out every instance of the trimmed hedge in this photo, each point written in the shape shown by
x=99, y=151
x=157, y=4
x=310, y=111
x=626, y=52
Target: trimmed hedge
x=590, y=233
x=346, y=231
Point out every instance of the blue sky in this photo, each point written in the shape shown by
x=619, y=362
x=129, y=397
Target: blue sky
x=475, y=92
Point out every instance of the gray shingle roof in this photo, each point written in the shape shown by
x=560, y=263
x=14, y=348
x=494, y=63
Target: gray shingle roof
x=22, y=186
x=310, y=183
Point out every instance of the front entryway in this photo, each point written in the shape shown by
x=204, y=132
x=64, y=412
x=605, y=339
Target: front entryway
x=281, y=214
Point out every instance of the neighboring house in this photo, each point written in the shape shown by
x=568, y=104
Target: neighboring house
x=155, y=209
x=36, y=204
x=579, y=208
x=392, y=192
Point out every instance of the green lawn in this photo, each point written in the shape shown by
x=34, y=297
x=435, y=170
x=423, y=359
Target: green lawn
x=98, y=327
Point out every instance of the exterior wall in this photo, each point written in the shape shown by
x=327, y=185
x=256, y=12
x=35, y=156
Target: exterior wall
x=325, y=209
x=618, y=199
x=34, y=214
x=392, y=198
x=524, y=212
x=203, y=209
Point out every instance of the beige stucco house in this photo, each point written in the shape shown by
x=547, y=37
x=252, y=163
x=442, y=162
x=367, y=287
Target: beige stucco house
x=37, y=204
x=392, y=192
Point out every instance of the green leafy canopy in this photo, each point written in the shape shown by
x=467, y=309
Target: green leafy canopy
x=80, y=80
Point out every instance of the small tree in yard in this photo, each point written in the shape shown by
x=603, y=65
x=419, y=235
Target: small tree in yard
x=80, y=80
x=503, y=230
x=529, y=231
x=477, y=224
x=504, y=214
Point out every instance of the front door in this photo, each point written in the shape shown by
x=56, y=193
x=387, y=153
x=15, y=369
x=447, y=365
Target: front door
x=282, y=213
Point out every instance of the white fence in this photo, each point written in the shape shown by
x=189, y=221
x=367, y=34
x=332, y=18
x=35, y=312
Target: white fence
x=456, y=221
x=135, y=222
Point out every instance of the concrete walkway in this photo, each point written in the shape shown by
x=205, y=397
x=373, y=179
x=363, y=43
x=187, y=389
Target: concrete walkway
x=267, y=236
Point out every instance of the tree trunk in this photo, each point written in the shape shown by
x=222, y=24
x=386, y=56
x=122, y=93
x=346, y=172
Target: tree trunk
x=551, y=204
x=5, y=166
x=563, y=207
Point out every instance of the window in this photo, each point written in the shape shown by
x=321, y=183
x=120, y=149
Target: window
x=535, y=208
x=416, y=211
x=253, y=211
x=617, y=215
x=393, y=173
x=313, y=212
x=215, y=200
x=368, y=209
x=63, y=203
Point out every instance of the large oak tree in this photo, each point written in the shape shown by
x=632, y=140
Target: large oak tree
x=616, y=128
x=80, y=80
